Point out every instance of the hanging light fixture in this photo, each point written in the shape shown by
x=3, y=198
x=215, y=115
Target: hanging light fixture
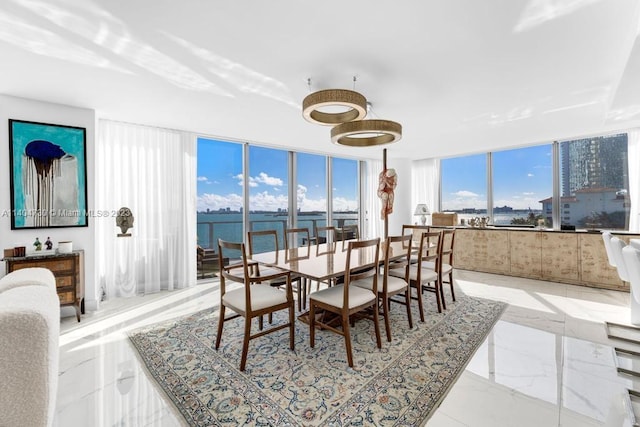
x=366, y=133
x=334, y=106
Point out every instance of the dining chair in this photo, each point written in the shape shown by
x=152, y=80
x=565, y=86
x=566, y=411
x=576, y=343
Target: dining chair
x=390, y=286
x=631, y=256
x=329, y=234
x=254, y=299
x=606, y=238
x=420, y=275
x=414, y=231
x=346, y=300
x=299, y=238
x=268, y=241
x=444, y=264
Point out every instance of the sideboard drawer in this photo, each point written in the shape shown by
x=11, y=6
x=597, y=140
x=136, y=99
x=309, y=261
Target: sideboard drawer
x=65, y=281
x=66, y=297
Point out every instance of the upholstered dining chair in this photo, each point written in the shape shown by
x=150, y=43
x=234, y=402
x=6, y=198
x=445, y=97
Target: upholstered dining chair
x=254, y=299
x=268, y=239
x=325, y=234
x=631, y=256
x=414, y=231
x=606, y=238
x=420, y=275
x=299, y=238
x=346, y=233
x=390, y=286
x=444, y=264
x=346, y=300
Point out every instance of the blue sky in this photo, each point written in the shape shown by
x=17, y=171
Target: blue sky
x=220, y=179
x=521, y=178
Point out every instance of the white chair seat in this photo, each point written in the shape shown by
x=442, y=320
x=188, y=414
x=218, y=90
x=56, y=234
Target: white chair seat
x=427, y=275
x=334, y=296
x=262, y=296
x=446, y=268
x=393, y=283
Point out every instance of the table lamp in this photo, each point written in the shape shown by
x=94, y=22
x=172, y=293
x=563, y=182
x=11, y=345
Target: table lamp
x=423, y=211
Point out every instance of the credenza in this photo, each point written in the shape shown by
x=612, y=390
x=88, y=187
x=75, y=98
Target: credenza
x=68, y=269
x=574, y=257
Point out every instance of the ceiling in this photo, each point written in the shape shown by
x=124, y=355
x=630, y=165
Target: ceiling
x=460, y=76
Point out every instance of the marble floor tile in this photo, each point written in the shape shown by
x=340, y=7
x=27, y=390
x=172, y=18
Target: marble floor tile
x=547, y=362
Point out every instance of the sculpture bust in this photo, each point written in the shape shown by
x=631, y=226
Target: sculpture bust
x=124, y=220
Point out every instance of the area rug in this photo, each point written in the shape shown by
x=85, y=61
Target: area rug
x=401, y=385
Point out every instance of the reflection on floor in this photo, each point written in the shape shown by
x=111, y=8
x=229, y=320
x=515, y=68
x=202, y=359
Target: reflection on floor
x=547, y=362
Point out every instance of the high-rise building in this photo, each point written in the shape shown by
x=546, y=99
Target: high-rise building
x=594, y=163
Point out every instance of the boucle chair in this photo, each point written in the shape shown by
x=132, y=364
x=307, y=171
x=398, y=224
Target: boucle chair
x=30, y=319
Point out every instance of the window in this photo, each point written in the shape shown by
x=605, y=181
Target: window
x=268, y=191
x=312, y=191
x=219, y=189
x=522, y=179
x=464, y=185
x=595, y=181
x=345, y=191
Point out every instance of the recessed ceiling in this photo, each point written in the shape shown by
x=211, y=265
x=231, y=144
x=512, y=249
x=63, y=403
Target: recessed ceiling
x=460, y=76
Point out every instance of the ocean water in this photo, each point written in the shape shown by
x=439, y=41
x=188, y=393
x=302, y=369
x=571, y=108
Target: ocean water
x=228, y=226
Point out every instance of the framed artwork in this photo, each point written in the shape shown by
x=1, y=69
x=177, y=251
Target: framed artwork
x=48, y=170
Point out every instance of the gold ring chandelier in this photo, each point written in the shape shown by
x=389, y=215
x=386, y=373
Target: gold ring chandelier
x=345, y=110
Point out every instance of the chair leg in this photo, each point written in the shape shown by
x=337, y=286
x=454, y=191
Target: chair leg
x=420, y=307
x=376, y=322
x=407, y=297
x=444, y=304
x=385, y=313
x=312, y=324
x=347, y=339
x=438, y=296
x=453, y=295
x=245, y=344
x=292, y=327
x=220, y=324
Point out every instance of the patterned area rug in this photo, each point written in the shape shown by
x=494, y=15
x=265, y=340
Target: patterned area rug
x=401, y=384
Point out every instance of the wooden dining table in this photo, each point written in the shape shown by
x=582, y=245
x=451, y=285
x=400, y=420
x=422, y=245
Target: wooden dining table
x=324, y=261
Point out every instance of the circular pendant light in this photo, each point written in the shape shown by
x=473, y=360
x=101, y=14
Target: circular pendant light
x=366, y=133
x=334, y=106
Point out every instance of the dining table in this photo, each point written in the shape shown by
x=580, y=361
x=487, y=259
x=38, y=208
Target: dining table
x=325, y=262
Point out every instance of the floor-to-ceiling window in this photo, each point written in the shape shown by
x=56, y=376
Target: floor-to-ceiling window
x=464, y=186
x=268, y=180
x=345, y=204
x=522, y=179
x=591, y=190
x=220, y=201
x=312, y=191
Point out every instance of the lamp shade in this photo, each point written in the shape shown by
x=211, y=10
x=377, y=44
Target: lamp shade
x=421, y=209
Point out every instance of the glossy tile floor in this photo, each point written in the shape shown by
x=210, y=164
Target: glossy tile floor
x=547, y=362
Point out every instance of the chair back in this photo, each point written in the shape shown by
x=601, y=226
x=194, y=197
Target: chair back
x=606, y=237
x=392, y=260
x=429, y=248
x=616, y=249
x=365, y=266
x=296, y=237
x=631, y=255
x=262, y=241
x=329, y=234
x=414, y=231
x=446, y=245
x=235, y=271
x=348, y=232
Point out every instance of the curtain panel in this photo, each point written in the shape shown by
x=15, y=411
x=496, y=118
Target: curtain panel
x=151, y=171
x=633, y=158
x=425, y=184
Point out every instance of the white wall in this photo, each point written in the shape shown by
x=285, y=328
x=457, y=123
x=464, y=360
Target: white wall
x=82, y=237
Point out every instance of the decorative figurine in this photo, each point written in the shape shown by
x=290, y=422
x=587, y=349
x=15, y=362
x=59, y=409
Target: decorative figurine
x=38, y=244
x=124, y=220
x=48, y=244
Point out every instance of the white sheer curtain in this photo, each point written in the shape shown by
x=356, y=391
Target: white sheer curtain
x=425, y=184
x=633, y=150
x=374, y=226
x=151, y=171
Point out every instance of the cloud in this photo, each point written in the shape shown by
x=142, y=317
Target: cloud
x=530, y=175
x=465, y=193
x=262, y=178
x=216, y=202
x=203, y=178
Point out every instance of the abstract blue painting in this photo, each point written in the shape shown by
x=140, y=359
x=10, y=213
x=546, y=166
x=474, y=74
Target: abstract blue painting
x=48, y=175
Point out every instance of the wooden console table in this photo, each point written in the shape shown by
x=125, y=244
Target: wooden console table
x=68, y=270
